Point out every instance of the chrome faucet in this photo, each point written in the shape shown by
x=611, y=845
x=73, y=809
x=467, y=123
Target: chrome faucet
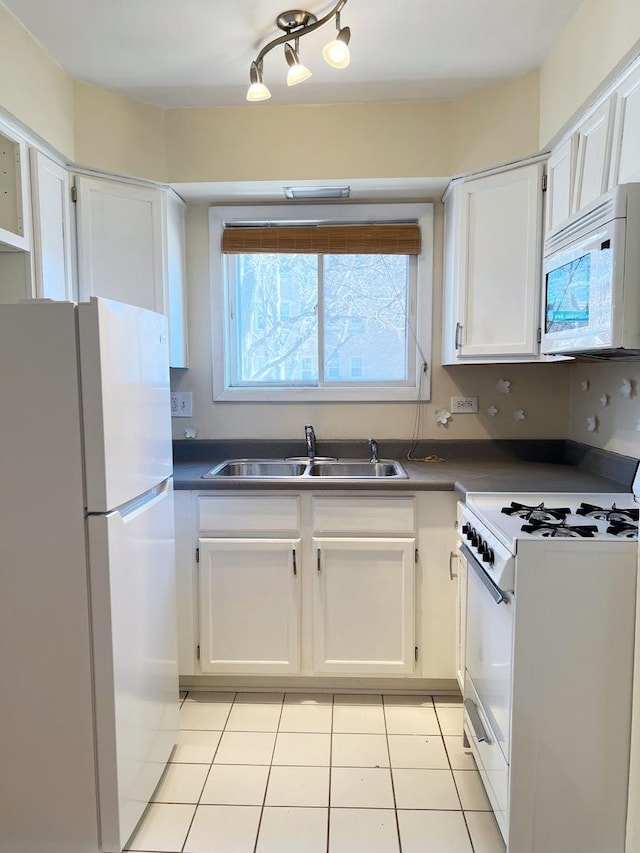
x=373, y=444
x=310, y=438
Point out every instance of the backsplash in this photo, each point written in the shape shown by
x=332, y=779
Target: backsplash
x=605, y=406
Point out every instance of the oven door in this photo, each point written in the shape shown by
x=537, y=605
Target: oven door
x=489, y=649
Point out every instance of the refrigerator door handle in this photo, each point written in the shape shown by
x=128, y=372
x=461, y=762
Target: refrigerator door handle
x=144, y=502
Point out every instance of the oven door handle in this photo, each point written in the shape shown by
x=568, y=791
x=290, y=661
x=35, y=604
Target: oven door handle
x=494, y=590
x=474, y=717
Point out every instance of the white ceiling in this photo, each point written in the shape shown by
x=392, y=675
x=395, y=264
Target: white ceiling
x=179, y=53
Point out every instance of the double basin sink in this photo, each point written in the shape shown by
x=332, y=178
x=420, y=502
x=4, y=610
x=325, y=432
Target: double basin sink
x=270, y=469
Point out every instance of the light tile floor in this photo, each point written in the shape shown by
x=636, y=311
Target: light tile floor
x=302, y=773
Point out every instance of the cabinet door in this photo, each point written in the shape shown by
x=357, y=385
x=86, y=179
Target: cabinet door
x=560, y=175
x=15, y=221
x=120, y=242
x=363, y=613
x=594, y=152
x=186, y=582
x=499, y=272
x=177, y=281
x=52, y=233
x=625, y=158
x=249, y=605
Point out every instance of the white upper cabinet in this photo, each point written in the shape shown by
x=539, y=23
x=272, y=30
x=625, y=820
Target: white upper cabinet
x=176, y=280
x=593, y=155
x=131, y=249
x=120, y=242
x=625, y=157
x=493, y=233
x=52, y=229
x=15, y=226
x=561, y=167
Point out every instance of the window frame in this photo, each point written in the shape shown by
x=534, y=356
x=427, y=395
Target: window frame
x=418, y=385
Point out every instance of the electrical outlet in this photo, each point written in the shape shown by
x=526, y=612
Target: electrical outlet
x=181, y=404
x=464, y=405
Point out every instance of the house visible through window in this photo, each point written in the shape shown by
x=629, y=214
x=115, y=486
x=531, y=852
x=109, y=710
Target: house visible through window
x=324, y=321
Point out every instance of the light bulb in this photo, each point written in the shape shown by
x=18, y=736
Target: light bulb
x=258, y=92
x=297, y=73
x=336, y=53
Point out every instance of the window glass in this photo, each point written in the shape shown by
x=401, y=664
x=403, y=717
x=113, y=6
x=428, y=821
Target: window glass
x=276, y=330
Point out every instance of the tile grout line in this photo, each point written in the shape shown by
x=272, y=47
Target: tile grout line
x=266, y=787
x=393, y=787
x=213, y=758
x=333, y=704
x=455, y=782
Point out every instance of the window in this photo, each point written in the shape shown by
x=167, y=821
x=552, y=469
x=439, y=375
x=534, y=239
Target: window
x=322, y=325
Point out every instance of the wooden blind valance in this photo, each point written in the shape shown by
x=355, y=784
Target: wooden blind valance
x=379, y=239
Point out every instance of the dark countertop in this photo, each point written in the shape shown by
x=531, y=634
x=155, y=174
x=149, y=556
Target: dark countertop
x=464, y=475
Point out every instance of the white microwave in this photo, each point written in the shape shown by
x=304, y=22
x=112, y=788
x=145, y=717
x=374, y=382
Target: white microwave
x=592, y=281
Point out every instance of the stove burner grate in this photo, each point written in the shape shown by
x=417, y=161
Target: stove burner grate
x=623, y=529
x=562, y=530
x=539, y=513
x=612, y=514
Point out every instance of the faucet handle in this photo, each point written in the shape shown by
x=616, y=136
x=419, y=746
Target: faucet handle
x=373, y=444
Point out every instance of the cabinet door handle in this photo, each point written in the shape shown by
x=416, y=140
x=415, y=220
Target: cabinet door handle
x=295, y=567
x=458, y=339
x=318, y=559
x=474, y=717
x=452, y=556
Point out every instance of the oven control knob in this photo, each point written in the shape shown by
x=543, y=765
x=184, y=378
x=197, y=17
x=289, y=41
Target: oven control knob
x=466, y=528
x=482, y=546
x=475, y=539
x=488, y=556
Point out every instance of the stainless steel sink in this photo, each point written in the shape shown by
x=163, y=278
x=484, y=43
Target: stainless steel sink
x=274, y=469
x=259, y=468
x=355, y=469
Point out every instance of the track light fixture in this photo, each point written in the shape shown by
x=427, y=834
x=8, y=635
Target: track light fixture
x=295, y=24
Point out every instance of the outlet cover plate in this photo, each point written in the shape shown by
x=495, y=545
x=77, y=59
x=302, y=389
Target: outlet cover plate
x=464, y=405
x=181, y=404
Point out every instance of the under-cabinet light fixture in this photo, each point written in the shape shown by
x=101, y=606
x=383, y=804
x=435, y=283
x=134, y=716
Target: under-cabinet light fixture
x=297, y=23
x=316, y=192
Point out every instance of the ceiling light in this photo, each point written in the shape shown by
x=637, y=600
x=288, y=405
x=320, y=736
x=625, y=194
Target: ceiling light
x=316, y=192
x=298, y=72
x=257, y=90
x=336, y=53
x=295, y=24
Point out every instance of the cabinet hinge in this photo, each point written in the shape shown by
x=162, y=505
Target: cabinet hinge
x=544, y=183
x=197, y=555
x=415, y=653
x=74, y=193
x=415, y=556
x=539, y=336
x=198, y=652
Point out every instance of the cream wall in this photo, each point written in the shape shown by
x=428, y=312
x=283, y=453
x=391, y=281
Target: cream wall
x=335, y=141
x=119, y=135
x=495, y=125
x=33, y=88
x=618, y=415
x=599, y=37
x=541, y=390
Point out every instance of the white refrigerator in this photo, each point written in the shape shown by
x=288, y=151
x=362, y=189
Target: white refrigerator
x=88, y=649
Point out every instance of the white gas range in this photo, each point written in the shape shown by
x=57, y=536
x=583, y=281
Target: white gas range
x=551, y=596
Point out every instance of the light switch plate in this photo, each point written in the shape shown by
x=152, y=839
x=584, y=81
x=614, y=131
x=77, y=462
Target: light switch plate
x=181, y=404
x=464, y=405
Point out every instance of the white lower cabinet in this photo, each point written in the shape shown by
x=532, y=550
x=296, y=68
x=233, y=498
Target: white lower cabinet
x=327, y=585
x=249, y=605
x=364, y=605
